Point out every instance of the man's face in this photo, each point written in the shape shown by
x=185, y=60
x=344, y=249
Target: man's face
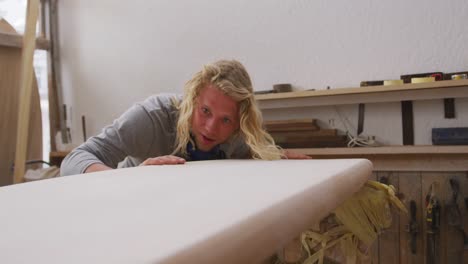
x=215, y=118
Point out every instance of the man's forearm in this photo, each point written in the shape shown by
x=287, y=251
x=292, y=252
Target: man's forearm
x=97, y=167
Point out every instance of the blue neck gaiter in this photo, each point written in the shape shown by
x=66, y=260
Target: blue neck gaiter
x=196, y=154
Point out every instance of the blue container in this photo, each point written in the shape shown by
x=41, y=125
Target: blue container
x=450, y=136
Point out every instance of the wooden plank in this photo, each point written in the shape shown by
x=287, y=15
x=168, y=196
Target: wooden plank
x=56, y=157
x=43, y=18
x=393, y=96
x=424, y=163
x=54, y=113
x=410, y=189
x=317, y=142
x=57, y=74
x=291, y=128
x=26, y=90
x=312, y=139
x=389, y=250
x=58, y=154
x=307, y=124
x=414, y=158
x=285, y=135
x=389, y=150
x=10, y=66
x=16, y=41
x=306, y=121
x=363, y=90
x=307, y=140
x=54, y=102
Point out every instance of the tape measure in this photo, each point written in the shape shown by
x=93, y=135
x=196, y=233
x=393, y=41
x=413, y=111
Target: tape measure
x=459, y=76
x=393, y=82
x=423, y=80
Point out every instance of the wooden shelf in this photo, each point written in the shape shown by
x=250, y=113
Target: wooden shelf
x=400, y=158
x=56, y=157
x=388, y=150
x=59, y=154
x=16, y=41
x=389, y=158
x=369, y=94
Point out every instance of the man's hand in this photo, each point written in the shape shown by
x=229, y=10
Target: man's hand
x=288, y=154
x=163, y=160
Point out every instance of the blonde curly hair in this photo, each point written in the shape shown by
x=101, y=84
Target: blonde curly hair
x=230, y=77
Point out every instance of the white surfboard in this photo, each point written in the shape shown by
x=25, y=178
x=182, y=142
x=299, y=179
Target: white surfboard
x=227, y=211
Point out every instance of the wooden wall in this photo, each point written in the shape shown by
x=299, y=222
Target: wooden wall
x=393, y=245
x=10, y=66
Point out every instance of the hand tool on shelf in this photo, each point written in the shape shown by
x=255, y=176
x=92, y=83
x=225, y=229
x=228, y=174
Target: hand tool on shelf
x=456, y=75
x=412, y=227
x=454, y=215
x=433, y=225
x=438, y=76
x=457, y=238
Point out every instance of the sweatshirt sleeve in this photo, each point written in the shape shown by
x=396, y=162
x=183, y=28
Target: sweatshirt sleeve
x=129, y=135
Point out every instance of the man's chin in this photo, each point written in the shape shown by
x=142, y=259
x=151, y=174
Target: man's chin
x=204, y=147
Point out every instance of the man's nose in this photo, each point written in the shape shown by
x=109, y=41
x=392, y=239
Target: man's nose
x=211, y=126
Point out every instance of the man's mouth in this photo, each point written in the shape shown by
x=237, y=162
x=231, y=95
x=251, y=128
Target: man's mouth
x=207, y=140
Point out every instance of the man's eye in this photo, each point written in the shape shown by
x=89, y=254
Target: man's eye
x=205, y=110
x=226, y=120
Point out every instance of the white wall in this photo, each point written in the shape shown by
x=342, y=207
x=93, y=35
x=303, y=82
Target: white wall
x=115, y=53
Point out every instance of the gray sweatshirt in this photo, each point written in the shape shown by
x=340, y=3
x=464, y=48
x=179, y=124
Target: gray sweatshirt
x=146, y=130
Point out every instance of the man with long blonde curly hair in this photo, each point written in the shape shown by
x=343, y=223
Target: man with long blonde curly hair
x=217, y=118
